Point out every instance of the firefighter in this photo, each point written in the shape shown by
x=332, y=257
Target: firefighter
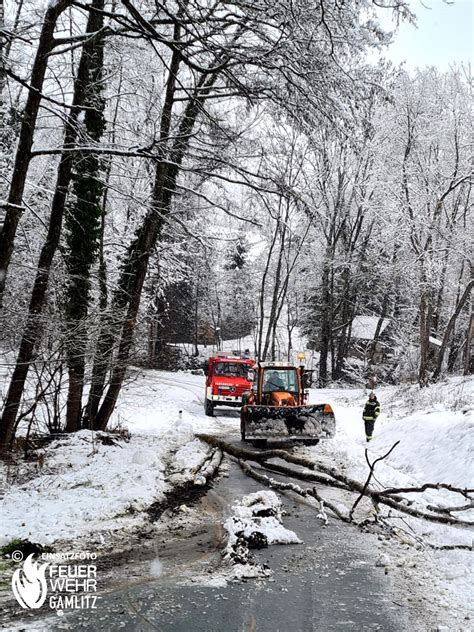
x=370, y=414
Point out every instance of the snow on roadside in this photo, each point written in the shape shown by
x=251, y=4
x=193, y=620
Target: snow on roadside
x=86, y=488
x=433, y=425
x=83, y=488
x=151, y=401
x=434, y=447
x=435, y=428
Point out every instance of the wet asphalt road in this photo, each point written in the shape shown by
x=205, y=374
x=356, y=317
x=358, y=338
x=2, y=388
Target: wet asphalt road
x=328, y=583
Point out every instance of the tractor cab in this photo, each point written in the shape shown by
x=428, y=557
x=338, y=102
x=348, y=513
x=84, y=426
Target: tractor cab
x=278, y=383
x=276, y=406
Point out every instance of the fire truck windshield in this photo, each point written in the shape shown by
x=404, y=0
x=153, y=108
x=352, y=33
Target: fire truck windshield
x=231, y=369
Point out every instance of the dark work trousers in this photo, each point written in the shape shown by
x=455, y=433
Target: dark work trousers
x=369, y=428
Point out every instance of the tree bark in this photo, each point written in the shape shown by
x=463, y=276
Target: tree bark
x=424, y=333
x=137, y=265
x=326, y=324
x=272, y=321
x=84, y=221
x=468, y=363
x=32, y=332
x=14, y=208
x=450, y=326
x=263, y=284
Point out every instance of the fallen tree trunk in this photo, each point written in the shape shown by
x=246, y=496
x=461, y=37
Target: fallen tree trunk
x=304, y=476
x=391, y=497
x=208, y=468
x=272, y=483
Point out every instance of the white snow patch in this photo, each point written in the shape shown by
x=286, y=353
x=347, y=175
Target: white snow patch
x=190, y=455
x=435, y=447
x=86, y=488
x=435, y=428
x=246, y=519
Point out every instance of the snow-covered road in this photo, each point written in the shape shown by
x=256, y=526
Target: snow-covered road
x=328, y=583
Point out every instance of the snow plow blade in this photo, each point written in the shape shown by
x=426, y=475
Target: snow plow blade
x=300, y=423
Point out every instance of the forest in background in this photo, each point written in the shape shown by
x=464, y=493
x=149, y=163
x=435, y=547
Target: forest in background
x=198, y=170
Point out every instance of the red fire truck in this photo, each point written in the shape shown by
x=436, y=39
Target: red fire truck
x=227, y=377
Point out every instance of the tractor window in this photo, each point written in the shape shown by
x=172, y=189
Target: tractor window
x=280, y=380
x=231, y=369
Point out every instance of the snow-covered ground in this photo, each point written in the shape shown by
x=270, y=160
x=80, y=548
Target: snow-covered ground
x=435, y=430
x=83, y=488
x=434, y=426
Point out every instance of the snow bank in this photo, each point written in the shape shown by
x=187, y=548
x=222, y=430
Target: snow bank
x=154, y=402
x=436, y=447
x=84, y=487
x=435, y=428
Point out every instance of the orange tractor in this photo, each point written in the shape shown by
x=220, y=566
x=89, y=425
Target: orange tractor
x=276, y=407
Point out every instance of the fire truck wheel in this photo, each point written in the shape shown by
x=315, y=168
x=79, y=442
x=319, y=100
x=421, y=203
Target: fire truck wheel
x=208, y=408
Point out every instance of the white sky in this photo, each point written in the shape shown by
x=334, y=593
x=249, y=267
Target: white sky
x=444, y=35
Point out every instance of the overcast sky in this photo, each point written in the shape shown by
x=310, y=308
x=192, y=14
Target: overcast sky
x=444, y=35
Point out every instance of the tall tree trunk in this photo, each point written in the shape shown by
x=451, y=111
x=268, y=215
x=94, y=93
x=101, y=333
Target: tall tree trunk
x=347, y=315
x=196, y=322
x=326, y=323
x=468, y=360
x=272, y=320
x=32, y=332
x=139, y=252
x=83, y=221
x=102, y=357
x=440, y=294
x=424, y=329
x=14, y=206
x=105, y=338
x=262, y=295
x=289, y=331
x=111, y=320
x=5, y=132
x=450, y=327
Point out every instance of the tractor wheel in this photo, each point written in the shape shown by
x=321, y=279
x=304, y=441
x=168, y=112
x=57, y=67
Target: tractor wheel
x=208, y=408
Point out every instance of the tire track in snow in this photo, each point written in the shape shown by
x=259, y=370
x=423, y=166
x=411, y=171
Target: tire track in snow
x=223, y=424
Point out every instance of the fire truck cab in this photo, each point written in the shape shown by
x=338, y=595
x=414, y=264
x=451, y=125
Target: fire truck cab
x=227, y=377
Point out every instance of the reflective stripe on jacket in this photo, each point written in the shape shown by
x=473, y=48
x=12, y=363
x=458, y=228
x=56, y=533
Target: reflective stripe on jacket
x=371, y=411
